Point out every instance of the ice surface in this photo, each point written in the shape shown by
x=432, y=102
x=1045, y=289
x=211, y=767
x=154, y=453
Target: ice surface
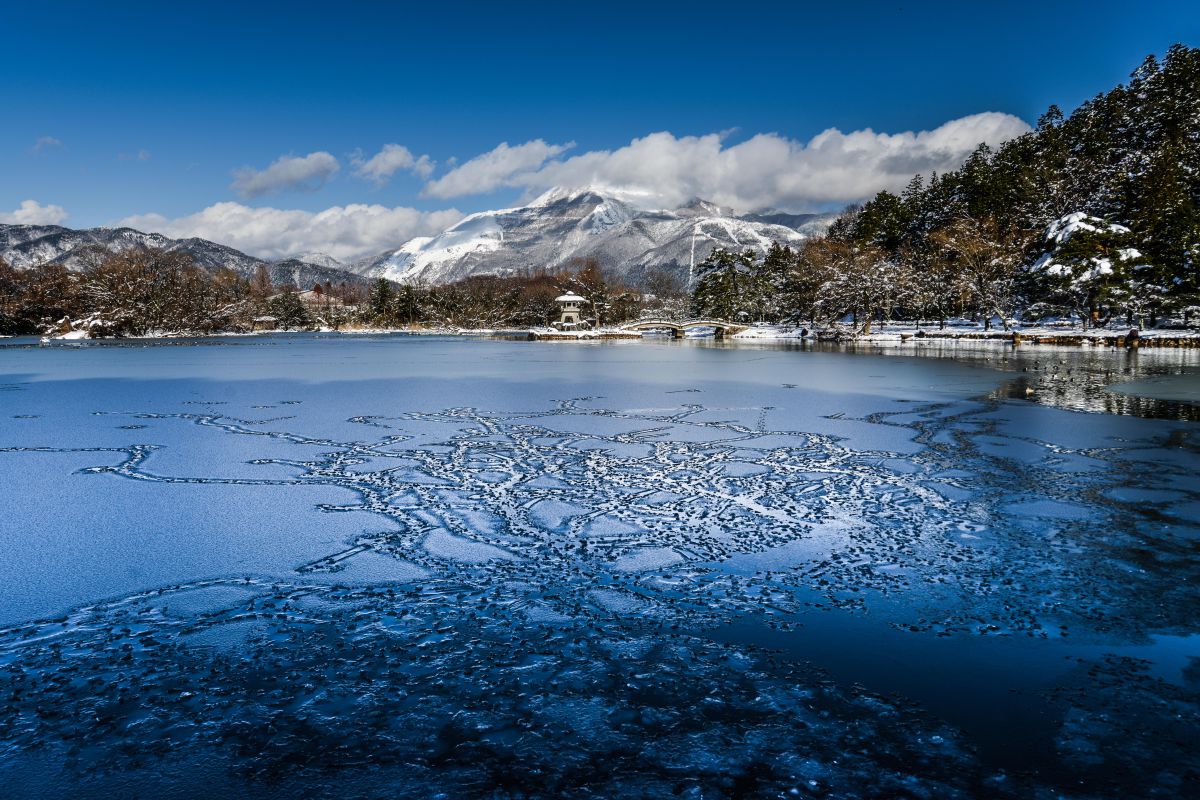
x=647, y=558
x=470, y=562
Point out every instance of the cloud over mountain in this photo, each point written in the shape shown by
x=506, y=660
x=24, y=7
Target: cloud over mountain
x=657, y=171
x=31, y=212
x=344, y=232
x=499, y=167
x=766, y=170
x=392, y=158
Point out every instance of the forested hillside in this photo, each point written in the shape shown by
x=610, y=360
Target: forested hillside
x=1095, y=216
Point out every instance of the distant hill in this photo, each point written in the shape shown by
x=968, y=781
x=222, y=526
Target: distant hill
x=26, y=246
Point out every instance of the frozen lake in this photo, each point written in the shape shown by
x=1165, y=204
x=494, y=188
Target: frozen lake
x=308, y=566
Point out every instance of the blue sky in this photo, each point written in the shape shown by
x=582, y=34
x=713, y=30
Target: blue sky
x=147, y=111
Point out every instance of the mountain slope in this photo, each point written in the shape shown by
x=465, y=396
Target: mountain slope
x=557, y=227
x=26, y=246
x=563, y=224
x=304, y=274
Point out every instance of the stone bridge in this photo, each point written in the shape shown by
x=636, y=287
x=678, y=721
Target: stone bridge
x=720, y=326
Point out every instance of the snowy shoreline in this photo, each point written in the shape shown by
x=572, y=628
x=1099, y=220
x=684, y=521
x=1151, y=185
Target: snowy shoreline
x=900, y=333
x=893, y=334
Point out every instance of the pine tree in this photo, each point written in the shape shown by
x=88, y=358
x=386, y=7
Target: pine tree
x=406, y=305
x=1130, y=156
x=379, y=302
x=289, y=311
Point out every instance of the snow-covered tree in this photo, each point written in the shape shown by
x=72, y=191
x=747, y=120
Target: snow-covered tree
x=1088, y=265
x=380, y=299
x=727, y=286
x=860, y=281
x=1130, y=156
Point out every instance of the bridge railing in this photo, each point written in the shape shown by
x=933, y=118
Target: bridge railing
x=691, y=323
x=721, y=326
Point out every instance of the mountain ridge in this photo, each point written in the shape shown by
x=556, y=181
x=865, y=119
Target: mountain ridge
x=27, y=246
x=549, y=232
x=565, y=224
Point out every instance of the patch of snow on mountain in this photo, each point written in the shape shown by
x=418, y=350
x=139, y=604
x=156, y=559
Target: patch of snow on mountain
x=566, y=224
x=475, y=234
x=608, y=215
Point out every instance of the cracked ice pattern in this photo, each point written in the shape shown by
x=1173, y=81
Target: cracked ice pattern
x=650, y=512
x=442, y=685
x=558, y=563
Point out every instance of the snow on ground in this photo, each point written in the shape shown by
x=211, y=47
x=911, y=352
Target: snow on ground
x=916, y=334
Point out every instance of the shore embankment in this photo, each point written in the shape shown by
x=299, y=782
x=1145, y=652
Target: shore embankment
x=1053, y=336
x=891, y=333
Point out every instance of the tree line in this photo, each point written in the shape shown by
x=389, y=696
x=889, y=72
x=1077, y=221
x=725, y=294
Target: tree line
x=521, y=301
x=124, y=294
x=973, y=272
x=1095, y=216
x=146, y=291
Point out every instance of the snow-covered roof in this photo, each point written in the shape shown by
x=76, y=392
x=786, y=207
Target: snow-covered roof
x=569, y=297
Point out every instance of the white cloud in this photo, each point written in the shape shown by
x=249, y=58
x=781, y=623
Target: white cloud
x=503, y=166
x=141, y=155
x=31, y=212
x=767, y=170
x=344, y=232
x=44, y=143
x=304, y=173
x=390, y=160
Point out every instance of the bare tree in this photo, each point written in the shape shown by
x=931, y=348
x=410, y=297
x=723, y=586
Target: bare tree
x=854, y=279
x=985, y=262
x=589, y=280
x=933, y=289
x=260, y=285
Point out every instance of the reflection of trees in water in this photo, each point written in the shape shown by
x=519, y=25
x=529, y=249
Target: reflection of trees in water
x=1081, y=394
x=1076, y=378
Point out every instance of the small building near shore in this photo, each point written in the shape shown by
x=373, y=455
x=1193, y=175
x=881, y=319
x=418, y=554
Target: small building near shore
x=570, y=311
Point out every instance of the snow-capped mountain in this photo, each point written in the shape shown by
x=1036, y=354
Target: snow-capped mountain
x=559, y=226
x=565, y=224
x=25, y=246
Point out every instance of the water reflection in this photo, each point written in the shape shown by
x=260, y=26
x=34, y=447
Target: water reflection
x=1078, y=378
